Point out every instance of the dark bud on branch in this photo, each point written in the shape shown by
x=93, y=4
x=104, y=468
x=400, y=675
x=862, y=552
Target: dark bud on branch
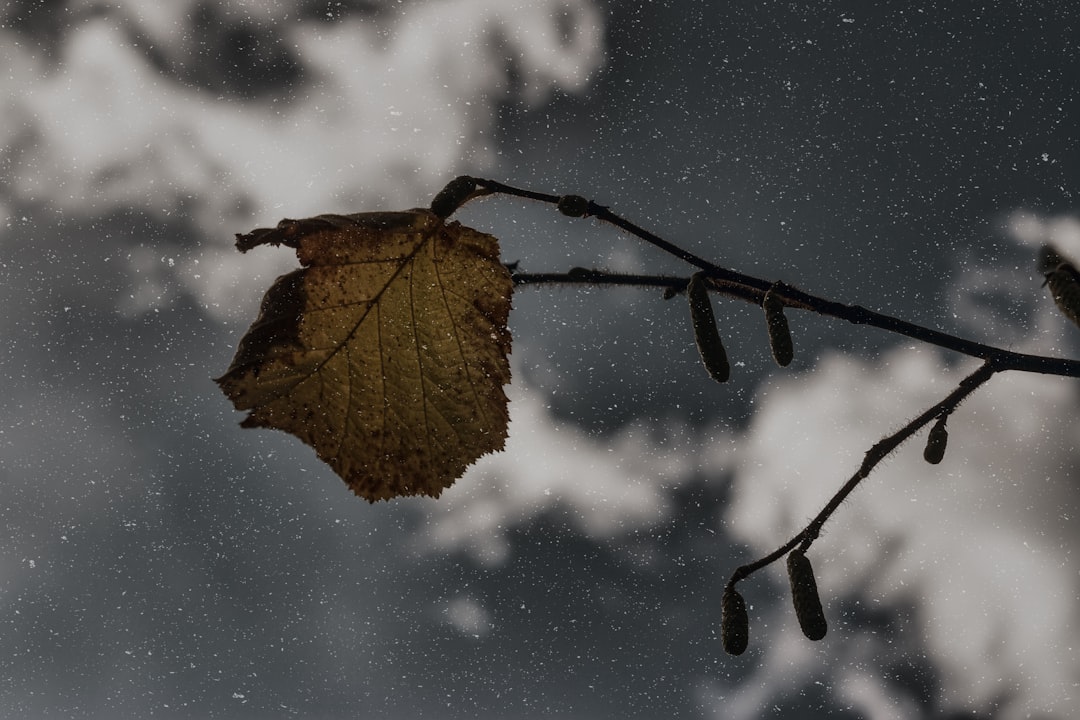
x=453, y=196
x=734, y=624
x=936, y=442
x=573, y=206
x=779, y=334
x=804, y=593
x=713, y=355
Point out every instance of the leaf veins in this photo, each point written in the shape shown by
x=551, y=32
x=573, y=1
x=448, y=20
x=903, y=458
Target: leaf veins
x=386, y=352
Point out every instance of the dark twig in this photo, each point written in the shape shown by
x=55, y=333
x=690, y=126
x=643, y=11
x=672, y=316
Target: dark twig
x=584, y=276
x=780, y=295
x=752, y=289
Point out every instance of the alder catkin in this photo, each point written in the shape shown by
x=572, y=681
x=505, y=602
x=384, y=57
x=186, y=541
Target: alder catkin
x=734, y=624
x=779, y=333
x=713, y=355
x=936, y=442
x=804, y=594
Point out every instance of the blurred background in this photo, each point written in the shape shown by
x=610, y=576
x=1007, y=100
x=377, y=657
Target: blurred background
x=156, y=560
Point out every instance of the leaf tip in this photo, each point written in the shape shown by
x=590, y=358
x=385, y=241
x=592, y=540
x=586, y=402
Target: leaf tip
x=398, y=402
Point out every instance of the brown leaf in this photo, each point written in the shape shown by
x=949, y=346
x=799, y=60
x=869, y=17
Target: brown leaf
x=387, y=352
x=1064, y=281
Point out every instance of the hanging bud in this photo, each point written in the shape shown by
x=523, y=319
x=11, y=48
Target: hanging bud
x=734, y=624
x=709, y=345
x=936, y=442
x=779, y=334
x=573, y=206
x=453, y=196
x=804, y=593
x=1064, y=282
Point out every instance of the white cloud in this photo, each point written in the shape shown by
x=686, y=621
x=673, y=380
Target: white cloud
x=979, y=544
x=1031, y=230
x=392, y=110
x=608, y=486
x=468, y=616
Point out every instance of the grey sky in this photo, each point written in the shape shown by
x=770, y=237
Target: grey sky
x=158, y=560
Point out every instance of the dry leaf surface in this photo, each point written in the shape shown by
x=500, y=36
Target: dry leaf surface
x=386, y=352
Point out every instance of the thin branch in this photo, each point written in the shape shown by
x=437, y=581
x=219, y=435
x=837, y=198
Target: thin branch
x=753, y=289
x=585, y=276
x=873, y=457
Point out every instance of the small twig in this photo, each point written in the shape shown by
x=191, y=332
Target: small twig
x=752, y=289
x=873, y=457
x=774, y=297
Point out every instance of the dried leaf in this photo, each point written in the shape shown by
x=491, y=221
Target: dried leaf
x=1049, y=259
x=387, y=352
x=1064, y=281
